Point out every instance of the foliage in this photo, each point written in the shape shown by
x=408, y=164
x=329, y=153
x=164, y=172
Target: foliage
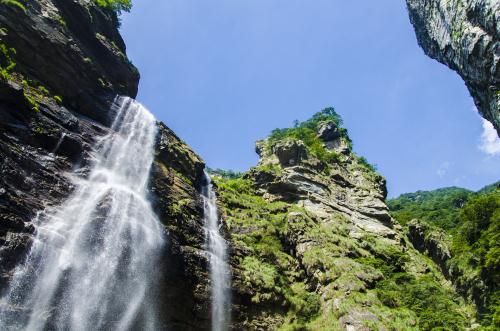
x=58, y=99
x=15, y=3
x=6, y=61
x=365, y=163
x=115, y=5
x=476, y=249
x=259, y=228
x=473, y=222
x=439, y=207
x=370, y=273
x=229, y=174
x=307, y=132
x=435, y=306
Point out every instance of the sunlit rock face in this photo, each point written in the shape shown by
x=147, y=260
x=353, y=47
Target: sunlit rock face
x=464, y=35
x=311, y=238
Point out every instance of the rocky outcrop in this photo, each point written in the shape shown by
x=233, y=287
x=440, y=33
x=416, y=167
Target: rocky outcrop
x=312, y=239
x=436, y=244
x=464, y=35
x=177, y=176
x=56, y=100
x=432, y=242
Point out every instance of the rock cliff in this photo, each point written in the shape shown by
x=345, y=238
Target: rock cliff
x=62, y=62
x=314, y=246
x=456, y=228
x=464, y=35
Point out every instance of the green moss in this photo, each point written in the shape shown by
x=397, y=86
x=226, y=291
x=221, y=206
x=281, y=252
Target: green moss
x=177, y=207
x=6, y=61
x=43, y=90
x=32, y=102
x=270, y=168
x=14, y=3
x=291, y=259
x=61, y=21
x=258, y=273
x=58, y=99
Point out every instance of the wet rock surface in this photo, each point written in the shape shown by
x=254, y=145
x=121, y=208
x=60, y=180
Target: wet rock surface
x=54, y=104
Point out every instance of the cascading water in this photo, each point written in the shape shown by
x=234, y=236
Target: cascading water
x=94, y=257
x=219, y=270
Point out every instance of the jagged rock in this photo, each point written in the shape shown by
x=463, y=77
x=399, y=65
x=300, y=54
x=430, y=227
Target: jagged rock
x=306, y=230
x=464, y=35
x=59, y=43
x=328, y=131
x=433, y=243
x=70, y=59
x=290, y=152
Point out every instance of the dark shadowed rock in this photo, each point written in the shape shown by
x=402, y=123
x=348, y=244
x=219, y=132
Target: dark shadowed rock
x=70, y=65
x=290, y=152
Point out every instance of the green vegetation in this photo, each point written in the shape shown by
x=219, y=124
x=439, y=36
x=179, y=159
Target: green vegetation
x=6, y=61
x=472, y=221
x=115, y=5
x=436, y=306
x=307, y=132
x=363, y=161
x=15, y=3
x=476, y=251
x=291, y=259
x=259, y=228
x=440, y=207
x=229, y=174
x=35, y=93
x=58, y=99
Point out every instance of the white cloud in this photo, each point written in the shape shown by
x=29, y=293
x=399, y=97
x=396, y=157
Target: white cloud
x=443, y=169
x=490, y=143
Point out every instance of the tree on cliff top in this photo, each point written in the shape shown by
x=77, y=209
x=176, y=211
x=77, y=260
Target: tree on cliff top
x=116, y=5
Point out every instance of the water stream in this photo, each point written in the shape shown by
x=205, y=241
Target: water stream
x=220, y=277
x=93, y=261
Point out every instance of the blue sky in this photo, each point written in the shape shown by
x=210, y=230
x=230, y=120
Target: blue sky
x=224, y=73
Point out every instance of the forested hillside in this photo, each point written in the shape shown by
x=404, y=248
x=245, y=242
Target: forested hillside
x=460, y=231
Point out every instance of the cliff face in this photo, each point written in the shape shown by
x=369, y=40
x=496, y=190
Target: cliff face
x=464, y=35
x=456, y=228
x=314, y=246
x=62, y=62
x=52, y=105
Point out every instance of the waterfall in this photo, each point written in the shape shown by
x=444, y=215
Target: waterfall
x=219, y=270
x=93, y=260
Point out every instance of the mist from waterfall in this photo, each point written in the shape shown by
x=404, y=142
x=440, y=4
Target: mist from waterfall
x=92, y=264
x=220, y=278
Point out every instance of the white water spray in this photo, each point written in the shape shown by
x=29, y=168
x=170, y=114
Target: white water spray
x=93, y=261
x=220, y=278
